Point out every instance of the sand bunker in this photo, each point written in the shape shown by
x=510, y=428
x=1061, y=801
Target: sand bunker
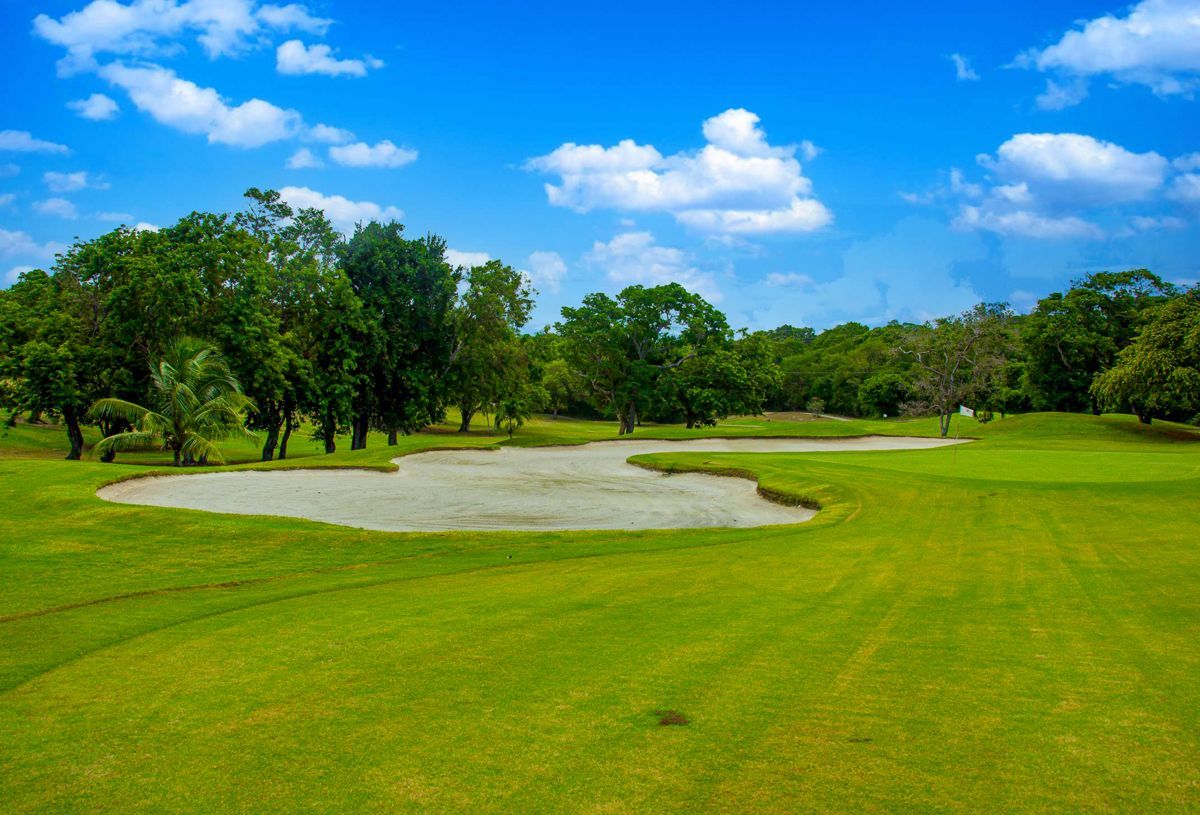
x=591, y=486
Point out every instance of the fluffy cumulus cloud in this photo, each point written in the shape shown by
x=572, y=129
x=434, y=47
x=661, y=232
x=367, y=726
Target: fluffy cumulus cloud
x=70, y=182
x=16, y=244
x=963, y=71
x=57, y=208
x=117, y=41
x=737, y=183
x=457, y=257
x=295, y=58
x=1156, y=44
x=342, y=212
x=547, y=271
x=634, y=257
x=97, y=107
x=1186, y=189
x=186, y=106
x=382, y=154
x=303, y=159
x=1052, y=185
x=151, y=28
x=22, y=141
x=326, y=134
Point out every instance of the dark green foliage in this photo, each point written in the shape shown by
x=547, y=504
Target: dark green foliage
x=883, y=394
x=1158, y=375
x=406, y=339
x=1070, y=338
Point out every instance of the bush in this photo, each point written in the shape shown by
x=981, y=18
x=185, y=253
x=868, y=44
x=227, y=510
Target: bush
x=983, y=416
x=816, y=405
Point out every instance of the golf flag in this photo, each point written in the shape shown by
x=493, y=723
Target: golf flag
x=966, y=411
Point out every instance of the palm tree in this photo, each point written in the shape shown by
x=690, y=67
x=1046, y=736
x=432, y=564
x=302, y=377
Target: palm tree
x=196, y=401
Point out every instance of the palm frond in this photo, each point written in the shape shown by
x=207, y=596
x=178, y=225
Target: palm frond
x=198, y=447
x=133, y=440
x=117, y=409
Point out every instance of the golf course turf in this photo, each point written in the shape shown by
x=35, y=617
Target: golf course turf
x=1007, y=626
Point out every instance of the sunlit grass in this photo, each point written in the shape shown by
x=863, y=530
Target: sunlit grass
x=1010, y=625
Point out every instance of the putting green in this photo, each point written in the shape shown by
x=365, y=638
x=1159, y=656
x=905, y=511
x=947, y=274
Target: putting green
x=1007, y=626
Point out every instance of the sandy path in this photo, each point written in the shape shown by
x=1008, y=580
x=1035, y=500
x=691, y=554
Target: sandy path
x=590, y=486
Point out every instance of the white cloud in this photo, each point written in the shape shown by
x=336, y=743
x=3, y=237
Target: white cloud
x=342, y=212
x=1026, y=223
x=804, y=215
x=1060, y=95
x=788, y=279
x=303, y=159
x=97, y=107
x=1157, y=44
x=382, y=154
x=466, y=259
x=148, y=28
x=1076, y=169
x=293, y=17
x=963, y=71
x=1187, y=163
x=16, y=244
x=57, y=207
x=295, y=58
x=326, y=134
x=1186, y=189
x=634, y=257
x=21, y=141
x=547, y=270
x=1153, y=223
x=737, y=182
x=7, y=198
x=186, y=106
x=71, y=182
x=143, y=226
x=114, y=217
x=1046, y=184
x=9, y=170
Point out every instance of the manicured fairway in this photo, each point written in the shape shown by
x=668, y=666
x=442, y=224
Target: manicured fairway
x=1012, y=625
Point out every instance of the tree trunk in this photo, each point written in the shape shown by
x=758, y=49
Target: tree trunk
x=330, y=433
x=110, y=428
x=74, y=434
x=944, y=422
x=554, y=413
x=464, y=426
x=628, y=419
x=358, y=432
x=176, y=450
x=392, y=440
x=273, y=430
x=287, y=433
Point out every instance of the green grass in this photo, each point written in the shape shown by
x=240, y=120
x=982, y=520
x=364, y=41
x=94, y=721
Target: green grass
x=1013, y=625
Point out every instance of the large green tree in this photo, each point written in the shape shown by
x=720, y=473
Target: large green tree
x=406, y=340
x=959, y=359
x=621, y=346
x=1072, y=336
x=1158, y=374
x=489, y=362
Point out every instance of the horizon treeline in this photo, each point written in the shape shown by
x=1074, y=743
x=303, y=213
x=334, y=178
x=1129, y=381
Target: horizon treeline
x=378, y=331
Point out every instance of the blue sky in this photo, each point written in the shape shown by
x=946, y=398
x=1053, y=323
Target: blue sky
x=807, y=164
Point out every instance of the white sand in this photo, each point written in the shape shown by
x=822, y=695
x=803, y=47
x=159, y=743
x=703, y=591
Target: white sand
x=585, y=487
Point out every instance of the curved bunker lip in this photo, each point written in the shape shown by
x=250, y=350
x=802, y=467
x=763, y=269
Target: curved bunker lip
x=589, y=486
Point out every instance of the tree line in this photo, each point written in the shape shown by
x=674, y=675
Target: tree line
x=268, y=320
